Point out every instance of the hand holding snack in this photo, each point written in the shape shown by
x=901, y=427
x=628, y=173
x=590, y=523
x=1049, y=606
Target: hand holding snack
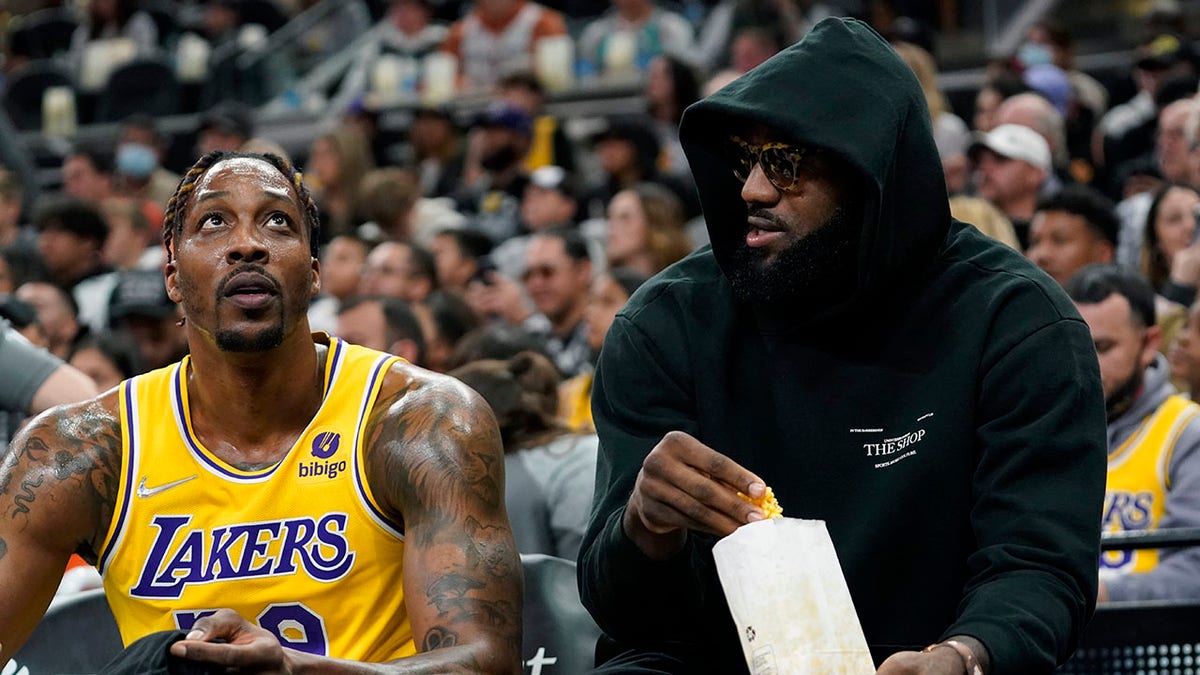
x=685, y=485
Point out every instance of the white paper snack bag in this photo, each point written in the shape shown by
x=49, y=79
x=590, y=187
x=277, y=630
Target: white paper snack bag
x=789, y=600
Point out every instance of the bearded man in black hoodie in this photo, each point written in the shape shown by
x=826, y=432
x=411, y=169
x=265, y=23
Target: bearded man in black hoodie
x=927, y=392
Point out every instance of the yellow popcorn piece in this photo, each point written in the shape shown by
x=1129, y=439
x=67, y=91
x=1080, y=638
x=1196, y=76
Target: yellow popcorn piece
x=766, y=503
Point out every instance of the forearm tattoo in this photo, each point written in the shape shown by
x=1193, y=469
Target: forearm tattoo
x=442, y=458
x=67, y=446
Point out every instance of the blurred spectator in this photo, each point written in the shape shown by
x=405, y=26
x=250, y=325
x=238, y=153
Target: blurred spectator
x=645, y=229
x=57, y=315
x=1153, y=438
x=342, y=263
x=750, y=47
x=338, y=26
x=71, y=237
x=671, y=86
x=548, y=470
x=1049, y=42
x=558, y=275
x=549, y=145
x=985, y=217
x=141, y=307
x=139, y=170
x=494, y=179
x=108, y=358
x=652, y=29
x=447, y=318
x=438, y=151
x=132, y=243
x=461, y=255
x=994, y=92
x=88, y=176
x=337, y=163
x=609, y=293
x=264, y=146
x=549, y=202
x=791, y=19
x=388, y=198
x=949, y=131
x=1012, y=161
x=1170, y=255
x=1172, y=161
x=386, y=324
x=407, y=30
x=628, y=151
x=497, y=340
x=22, y=316
x=1184, y=354
x=226, y=126
x=1171, y=143
x=1071, y=230
x=18, y=241
x=1127, y=130
x=6, y=278
x=109, y=19
x=499, y=36
x=1035, y=112
x=399, y=270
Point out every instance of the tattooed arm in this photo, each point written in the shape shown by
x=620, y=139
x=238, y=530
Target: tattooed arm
x=58, y=485
x=434, y=461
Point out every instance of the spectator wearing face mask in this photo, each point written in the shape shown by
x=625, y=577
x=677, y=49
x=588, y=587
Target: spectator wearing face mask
x=139, y=171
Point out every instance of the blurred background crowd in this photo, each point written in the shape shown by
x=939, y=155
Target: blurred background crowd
x=495, y=178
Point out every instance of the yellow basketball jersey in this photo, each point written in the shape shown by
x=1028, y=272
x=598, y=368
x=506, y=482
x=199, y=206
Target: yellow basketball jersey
x=301, y=548
x=1135, y=495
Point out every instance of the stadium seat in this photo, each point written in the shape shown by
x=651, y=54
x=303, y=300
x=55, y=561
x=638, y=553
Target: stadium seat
x=559, y=634
x=1146, y=638
x=23, y=98
x=77, y=635
x=45, y=33
x=145, y=85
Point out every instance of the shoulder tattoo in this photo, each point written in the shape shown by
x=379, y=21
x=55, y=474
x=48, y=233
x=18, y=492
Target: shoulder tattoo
x=76, y=450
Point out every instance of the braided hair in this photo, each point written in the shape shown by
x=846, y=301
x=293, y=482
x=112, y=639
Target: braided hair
x=177, y=204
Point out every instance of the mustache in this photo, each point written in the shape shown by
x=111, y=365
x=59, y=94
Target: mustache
x=252, y=268
x=760, y=212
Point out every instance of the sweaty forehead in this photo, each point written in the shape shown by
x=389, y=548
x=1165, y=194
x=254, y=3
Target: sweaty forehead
x=245, y=172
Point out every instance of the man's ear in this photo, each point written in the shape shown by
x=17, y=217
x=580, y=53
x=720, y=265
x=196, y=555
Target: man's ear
x=170, y=272
x=316, y=278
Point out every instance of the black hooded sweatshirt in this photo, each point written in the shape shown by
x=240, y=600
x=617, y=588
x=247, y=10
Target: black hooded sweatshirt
x=944, y=415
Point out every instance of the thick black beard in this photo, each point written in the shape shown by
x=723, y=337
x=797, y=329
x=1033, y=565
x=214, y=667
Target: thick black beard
x=233, y=341
x=1122, y=399
x=820, y=264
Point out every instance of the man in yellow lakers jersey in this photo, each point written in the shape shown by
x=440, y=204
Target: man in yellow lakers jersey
x=1153, y=438
x=297, y=503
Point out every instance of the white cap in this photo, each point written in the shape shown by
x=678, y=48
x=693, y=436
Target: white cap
x=1015, y=142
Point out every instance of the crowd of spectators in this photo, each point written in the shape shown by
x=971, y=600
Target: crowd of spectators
x=501, y=248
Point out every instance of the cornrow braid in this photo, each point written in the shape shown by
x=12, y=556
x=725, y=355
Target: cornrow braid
x=177, y=204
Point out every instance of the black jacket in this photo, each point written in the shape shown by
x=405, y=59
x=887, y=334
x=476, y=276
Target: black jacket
x=944, y=415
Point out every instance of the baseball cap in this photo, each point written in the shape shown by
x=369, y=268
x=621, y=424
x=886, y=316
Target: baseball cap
x=1160, y=53
x=1014, y=142
x=140, y=293
x=503, y=116
x=552, y=178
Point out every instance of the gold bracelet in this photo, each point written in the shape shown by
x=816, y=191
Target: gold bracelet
x=970, y=663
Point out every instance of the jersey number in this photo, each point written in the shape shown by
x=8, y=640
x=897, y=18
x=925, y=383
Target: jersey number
x=296, y=626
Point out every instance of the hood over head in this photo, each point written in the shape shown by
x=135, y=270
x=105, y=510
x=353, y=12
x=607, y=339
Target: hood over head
x=842, y=88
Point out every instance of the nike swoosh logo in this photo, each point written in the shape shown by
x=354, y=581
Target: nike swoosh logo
x=143, y=491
